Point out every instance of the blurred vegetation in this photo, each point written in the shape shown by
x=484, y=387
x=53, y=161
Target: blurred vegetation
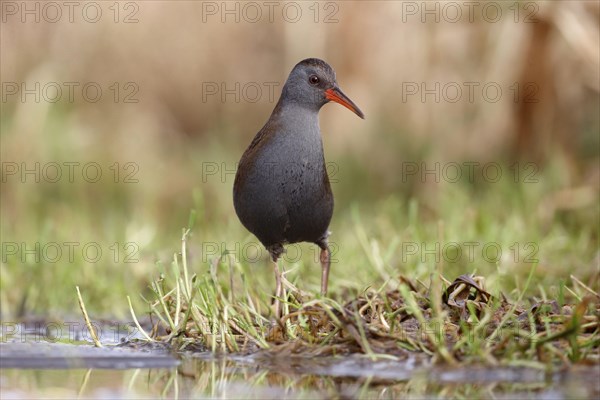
x=173, y=137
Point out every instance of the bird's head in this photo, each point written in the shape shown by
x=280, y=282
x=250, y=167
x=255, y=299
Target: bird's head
x=312, y=83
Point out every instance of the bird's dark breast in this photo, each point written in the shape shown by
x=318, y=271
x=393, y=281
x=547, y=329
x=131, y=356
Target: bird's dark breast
x=284, y=196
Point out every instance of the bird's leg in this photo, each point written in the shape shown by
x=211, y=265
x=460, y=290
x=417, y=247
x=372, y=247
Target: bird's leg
x=325, y=258
x=278, y=290
x=276, y=251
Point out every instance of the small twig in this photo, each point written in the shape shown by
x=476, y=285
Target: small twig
x=188, y=289
x=87, y=319
x=583, y=285
x=137, y=323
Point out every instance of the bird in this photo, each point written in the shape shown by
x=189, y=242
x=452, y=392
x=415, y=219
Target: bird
x=281, y=191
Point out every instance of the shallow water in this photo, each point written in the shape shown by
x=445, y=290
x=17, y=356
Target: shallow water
x=54, y=370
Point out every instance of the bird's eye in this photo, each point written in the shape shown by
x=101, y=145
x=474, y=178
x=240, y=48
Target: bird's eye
x=314, y=80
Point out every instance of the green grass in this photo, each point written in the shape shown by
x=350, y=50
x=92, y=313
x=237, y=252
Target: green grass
x=385, y=232
x=401, y=315
x=385, y=302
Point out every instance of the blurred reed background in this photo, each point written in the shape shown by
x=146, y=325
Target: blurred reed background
x=177, y=131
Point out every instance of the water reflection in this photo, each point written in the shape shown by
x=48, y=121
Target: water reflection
x=263, y=378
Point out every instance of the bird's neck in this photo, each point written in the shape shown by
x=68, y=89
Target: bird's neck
x=298, y=117
x=296, y=128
